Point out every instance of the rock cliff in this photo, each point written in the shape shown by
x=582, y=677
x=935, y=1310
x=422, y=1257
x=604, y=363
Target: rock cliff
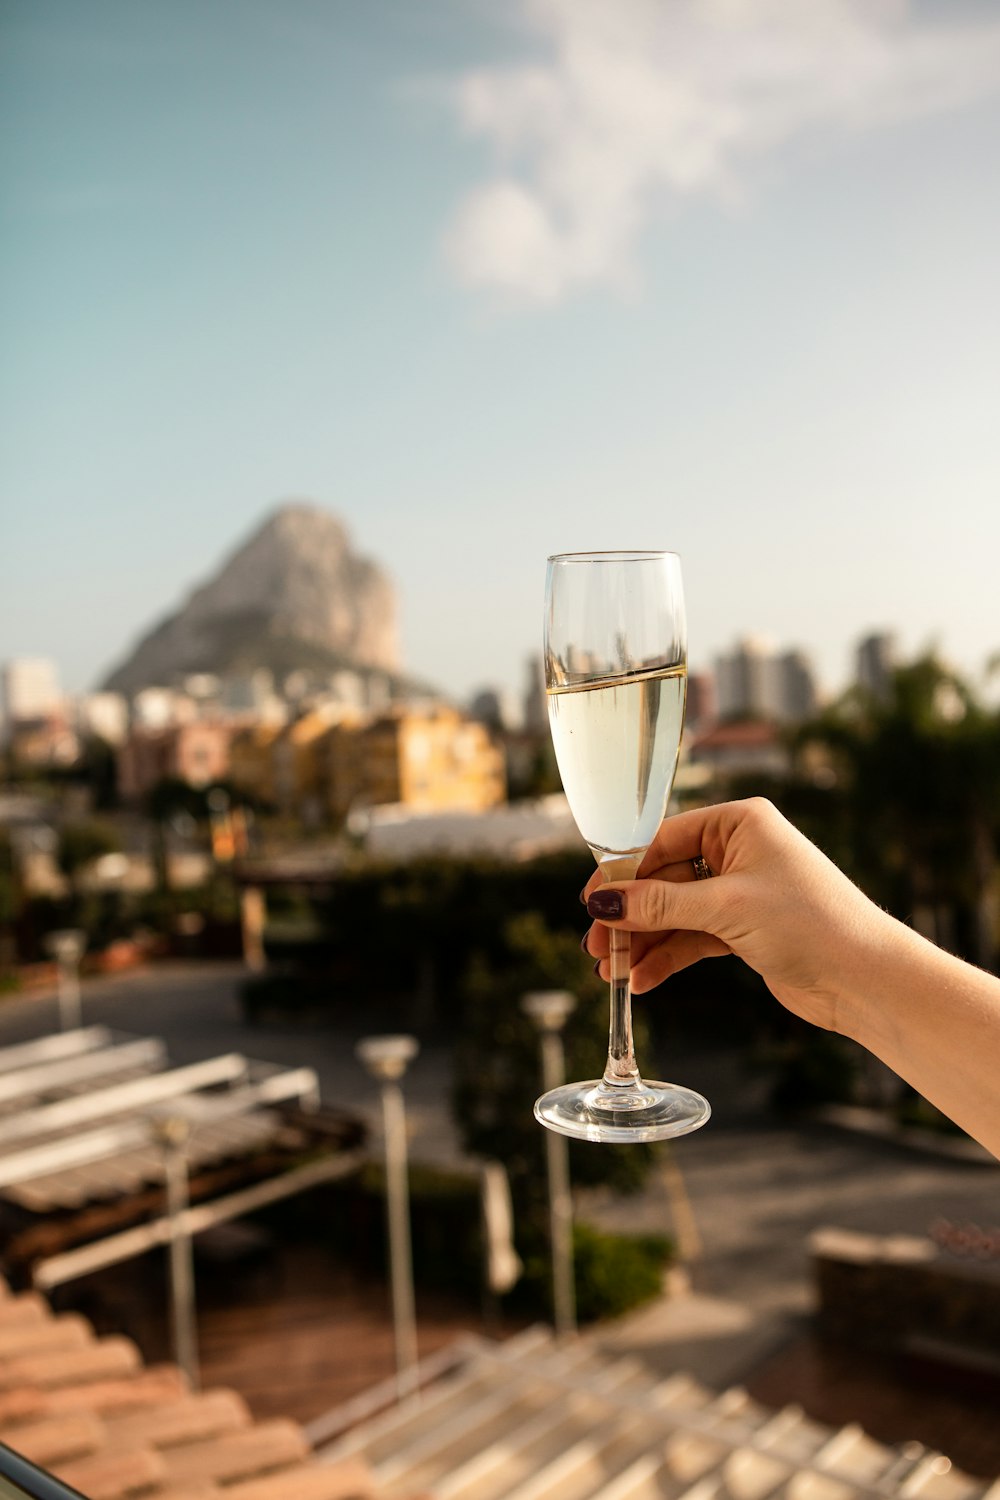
x=292, y=597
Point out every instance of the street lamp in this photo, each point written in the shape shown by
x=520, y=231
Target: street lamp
x=550, y=1009
x=386, y=1058
x=66, y=947
x=172, y=1133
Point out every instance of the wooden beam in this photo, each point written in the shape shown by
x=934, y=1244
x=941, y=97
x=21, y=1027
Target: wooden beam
x=58, y=1269
x=148, y=1053
x=47, y=1048
x=122, y=1098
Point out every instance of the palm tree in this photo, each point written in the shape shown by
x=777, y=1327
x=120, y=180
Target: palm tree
x=917, y=800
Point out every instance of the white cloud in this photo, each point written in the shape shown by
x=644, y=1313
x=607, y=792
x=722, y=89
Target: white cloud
x=643, y=103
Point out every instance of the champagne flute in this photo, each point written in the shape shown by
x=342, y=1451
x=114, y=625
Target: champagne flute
x=616, y=683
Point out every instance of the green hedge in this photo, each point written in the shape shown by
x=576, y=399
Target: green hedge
x=408, y=938
x=614, y=1273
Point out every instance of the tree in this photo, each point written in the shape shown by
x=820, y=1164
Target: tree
x=497, y=1059
x=915, y=805
x=81, y=843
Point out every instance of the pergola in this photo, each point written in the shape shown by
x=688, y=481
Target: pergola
x=106, y=1152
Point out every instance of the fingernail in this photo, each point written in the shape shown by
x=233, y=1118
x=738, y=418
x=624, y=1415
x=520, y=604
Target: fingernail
x=583, y=943
x=583, y=896
x=607, y=904
x=597, y=967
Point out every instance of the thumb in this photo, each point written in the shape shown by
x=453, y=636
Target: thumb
x=658, y=905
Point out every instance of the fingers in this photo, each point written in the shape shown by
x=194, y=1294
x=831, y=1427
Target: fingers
x=666, y=955
x=597, y=943
x=679, y=951
x=709, y=832
x=678, y=872
x=660, y=905
x=702, y=830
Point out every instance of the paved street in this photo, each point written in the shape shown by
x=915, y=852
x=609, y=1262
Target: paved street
x=756, y=1190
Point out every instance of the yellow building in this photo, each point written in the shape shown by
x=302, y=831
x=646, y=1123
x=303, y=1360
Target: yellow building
x=251, y=764
x=427, y=758
x=300, y=764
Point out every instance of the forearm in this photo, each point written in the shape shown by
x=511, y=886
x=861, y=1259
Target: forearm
x=934, y=1020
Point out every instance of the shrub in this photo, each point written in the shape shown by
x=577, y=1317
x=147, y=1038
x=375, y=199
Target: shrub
x=613, y=1272
x=616, y=1272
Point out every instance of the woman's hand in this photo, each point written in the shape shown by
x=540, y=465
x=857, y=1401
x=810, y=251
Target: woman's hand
x=775, y=900
x=826, y=951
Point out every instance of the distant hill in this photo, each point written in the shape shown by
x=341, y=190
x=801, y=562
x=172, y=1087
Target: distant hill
x=294, y=597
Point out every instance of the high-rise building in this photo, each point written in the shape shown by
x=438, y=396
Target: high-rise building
x=744, y=680
x=702, y=707
x=496, y=708
x=30, y=689
x=536, y=714
x=795, y=693
x=103, y=716
x=875, y=662
x=756, y=682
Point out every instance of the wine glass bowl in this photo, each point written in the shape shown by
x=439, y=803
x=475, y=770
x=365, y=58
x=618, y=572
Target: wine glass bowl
x=616, y=681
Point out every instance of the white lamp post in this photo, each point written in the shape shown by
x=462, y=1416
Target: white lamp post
x=386, y=1059
x=66, y=947
x=172, y=1133
x=550, y=1009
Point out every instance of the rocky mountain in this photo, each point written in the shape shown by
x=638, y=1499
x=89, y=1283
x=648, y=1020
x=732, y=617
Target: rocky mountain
x=293, y=597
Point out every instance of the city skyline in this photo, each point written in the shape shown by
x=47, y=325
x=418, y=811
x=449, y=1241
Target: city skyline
x=754, y=678
x=981, y=672
x=495, y=285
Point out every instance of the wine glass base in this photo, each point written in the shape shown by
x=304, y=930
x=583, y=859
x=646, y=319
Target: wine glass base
x=644, y=1111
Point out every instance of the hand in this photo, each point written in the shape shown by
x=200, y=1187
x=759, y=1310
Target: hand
x=775, y=900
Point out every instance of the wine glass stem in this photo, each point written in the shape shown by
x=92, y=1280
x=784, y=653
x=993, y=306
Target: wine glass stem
x=621, y=1070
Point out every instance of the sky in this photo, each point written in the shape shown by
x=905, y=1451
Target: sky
x=495, y=280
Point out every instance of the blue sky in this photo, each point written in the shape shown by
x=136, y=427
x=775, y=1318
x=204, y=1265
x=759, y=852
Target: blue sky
x=491, y=281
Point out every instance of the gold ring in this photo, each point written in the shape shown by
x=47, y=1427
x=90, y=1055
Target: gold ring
x=702, y=869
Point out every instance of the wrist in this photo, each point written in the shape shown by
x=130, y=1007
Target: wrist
x=877, y=960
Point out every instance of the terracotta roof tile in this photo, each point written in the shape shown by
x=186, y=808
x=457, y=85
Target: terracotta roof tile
x=55, y=1438
x=205, y=1491
x=111, y=1475
x=111, y=1356
x=29, y=1308
x=85, y=1409
x=349, y=1480
x=269, y=1445
x=186, y=1420
x=69, y=1331
x=22, y=1406
x=131, y=1392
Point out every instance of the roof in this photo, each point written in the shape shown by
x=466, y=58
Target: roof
x=743, y=734
x=86, y=1409
x=91, y=1119
x=543, y=1419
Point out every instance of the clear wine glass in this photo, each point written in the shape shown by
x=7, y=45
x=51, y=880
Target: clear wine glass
x=616, y=683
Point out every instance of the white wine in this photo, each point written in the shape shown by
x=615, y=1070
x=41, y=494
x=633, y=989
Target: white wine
x=616, y=741
x=615, y=653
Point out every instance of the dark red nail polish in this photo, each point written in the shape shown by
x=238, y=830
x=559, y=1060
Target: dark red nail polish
x=609, y=905
x=597, y=967
x=583, y=896
x=583, y=944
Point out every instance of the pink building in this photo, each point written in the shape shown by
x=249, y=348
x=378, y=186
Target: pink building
x=197, y=753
